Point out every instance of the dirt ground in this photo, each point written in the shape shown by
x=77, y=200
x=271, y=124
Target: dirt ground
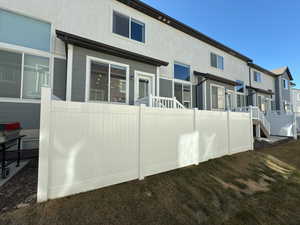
x=253, y=188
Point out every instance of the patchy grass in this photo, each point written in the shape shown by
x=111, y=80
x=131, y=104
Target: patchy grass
x=252, y=188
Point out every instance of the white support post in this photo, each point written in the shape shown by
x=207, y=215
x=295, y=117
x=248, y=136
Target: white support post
x=141, y=169
x=204, y=96
x=197, y=160
x=228, y=132
x=69, y=72
x=157, y=81
x=45, y=123
x=258, y=134
x=150, y=100
x=174, y=102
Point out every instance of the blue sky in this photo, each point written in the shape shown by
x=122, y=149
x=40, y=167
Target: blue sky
x=268, y=31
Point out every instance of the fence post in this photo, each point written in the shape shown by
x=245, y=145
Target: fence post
x=141, y=168
x=197, y=159
x=251, y=128
x=228, y=132
x=295, y=126
x=150, y=101
x=45, y=121
x=174, y=102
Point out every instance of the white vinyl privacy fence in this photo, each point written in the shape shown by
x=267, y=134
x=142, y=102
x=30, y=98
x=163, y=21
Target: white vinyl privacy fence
x=283, y=123
x=298, y=121
x=86, y=146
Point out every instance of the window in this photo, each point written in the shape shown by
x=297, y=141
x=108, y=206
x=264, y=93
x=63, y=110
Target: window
x=183, y=94
x=285, y=84
x=22, y=80
x=24, y=31
x=217, y=98
x=182, y=72
x=107, y=82
x=230, y=105
x=217, y=61
x=240, y=87
x=240, y=100
x=257, y=77
x=128, y=27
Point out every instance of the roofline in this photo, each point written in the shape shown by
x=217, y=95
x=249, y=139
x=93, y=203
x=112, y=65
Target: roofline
x=98, y=46
x=289, y=73
x=261, y=69
x=162, y=17
x=270, y=92
x=210, y=76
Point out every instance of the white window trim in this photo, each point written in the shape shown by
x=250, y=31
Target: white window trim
x=26, y=51
x=150, y=76
x=127, y=38
x=218, y=86
x=89, y=60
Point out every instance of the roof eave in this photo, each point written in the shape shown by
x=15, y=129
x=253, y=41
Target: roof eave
x=162, y=17
x=97, y=46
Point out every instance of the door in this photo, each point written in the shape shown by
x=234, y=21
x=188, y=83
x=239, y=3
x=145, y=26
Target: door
x=144, y=85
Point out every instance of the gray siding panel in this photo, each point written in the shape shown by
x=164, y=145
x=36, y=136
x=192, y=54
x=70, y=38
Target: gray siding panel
x=25, y=113
x=79, y=71
x=194, y=99
x=166, y=88
x=277, y=94
x=60, y=78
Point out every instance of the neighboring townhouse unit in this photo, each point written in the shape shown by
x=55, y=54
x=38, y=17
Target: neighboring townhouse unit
x=125, y=52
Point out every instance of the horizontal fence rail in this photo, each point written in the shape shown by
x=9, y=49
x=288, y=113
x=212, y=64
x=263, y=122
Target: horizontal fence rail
x=86, y=146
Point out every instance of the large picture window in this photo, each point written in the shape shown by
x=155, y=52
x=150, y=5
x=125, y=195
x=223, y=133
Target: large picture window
x=128, y=27
x=217, y=98
x=107, y=81
x=23, y=31
x=182, y=71
x=22, y=75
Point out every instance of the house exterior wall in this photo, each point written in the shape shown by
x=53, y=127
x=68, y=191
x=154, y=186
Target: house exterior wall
x=79, y=71
x=267, y=83
x=282, y=95
x=60, y=78
x=96, y=24
x=28, y=114
x=296, y=100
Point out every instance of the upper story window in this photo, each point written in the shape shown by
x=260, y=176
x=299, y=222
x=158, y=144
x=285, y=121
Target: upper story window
x=217, y=61
x=240, y=87
x=285, y=84
x=24, y=31
x=128, y=27
x=182, y=71
x=257, y=76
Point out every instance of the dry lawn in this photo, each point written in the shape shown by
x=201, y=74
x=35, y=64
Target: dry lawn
x=252, y=188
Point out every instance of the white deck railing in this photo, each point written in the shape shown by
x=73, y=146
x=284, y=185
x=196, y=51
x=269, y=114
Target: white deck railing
x=257, y=115
x=160, y=102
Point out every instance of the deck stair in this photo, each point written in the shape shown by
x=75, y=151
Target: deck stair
x=259, y=119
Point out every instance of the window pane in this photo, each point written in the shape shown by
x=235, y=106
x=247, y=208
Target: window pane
x=36, y=75
x=178, y=92
x=137, y=31
x=99, y=82
x=220, y=62
x=121, y=24
x=181, y=72
x=221, y=98
x=24, y=31
x=117, y=84
x=187, y=96
x=10, y=74
x=240, y=87
x=213, y=60
x=214, y=97
x=143, y=88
